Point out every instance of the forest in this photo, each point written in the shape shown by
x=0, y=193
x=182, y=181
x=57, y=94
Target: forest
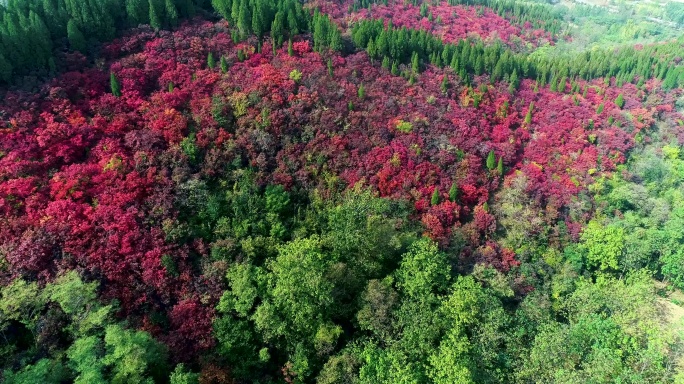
x=341, y=191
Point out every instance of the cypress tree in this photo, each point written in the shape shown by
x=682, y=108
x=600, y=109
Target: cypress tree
x=386, y=62
x=244, y=19
x=171, y=13
x=114, y=83
x=156, y=21
x=211, y=62
x=445, y=84
x=5, y=69
x=453, y=192
x=528, y=116
x=499, y=166
x=224, y=65
x=290, y=50
x=620, y=101
x=361, y=92
x=137, y=12
x=223, y=7
x=77, y=41
x=278, y=29
x=434, y=200
x=335, y=38
x=491, y=160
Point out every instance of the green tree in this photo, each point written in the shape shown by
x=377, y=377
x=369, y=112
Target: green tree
x=137, y=12
x=603, y=245
x=77, y=41
x=224, y=65
x=181, y=376
x=223, y=8
x=156, y=15
x=114, y=84
x=361, y=92
x=211, y=62
x=620, y=101
x=171, y=13
x=5, y=69
x=491, y=160
x=434, y=200
x=453, y=192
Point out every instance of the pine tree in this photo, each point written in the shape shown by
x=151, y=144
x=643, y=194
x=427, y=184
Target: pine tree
x=114, y=83
x=491, y=160
x=445, y=84
x=620, y=101
x=77, y=41
x=499, y=166
x=290, y=50
x=361, y=92
x=330, y=68
x=434, y=200
x=415, y=62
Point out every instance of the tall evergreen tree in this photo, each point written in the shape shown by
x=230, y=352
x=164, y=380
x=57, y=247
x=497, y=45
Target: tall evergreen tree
x=77, y=41
x=211, y=62
x=223, y=8
x=224, y=65
x=114, y=84
x=156, y=15
x=137, y=12
x=5, y=69
x=491, y=160
x=171, y=14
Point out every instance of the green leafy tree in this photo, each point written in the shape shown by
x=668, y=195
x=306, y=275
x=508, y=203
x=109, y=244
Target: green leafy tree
x=603, y=245
x=181, y=376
